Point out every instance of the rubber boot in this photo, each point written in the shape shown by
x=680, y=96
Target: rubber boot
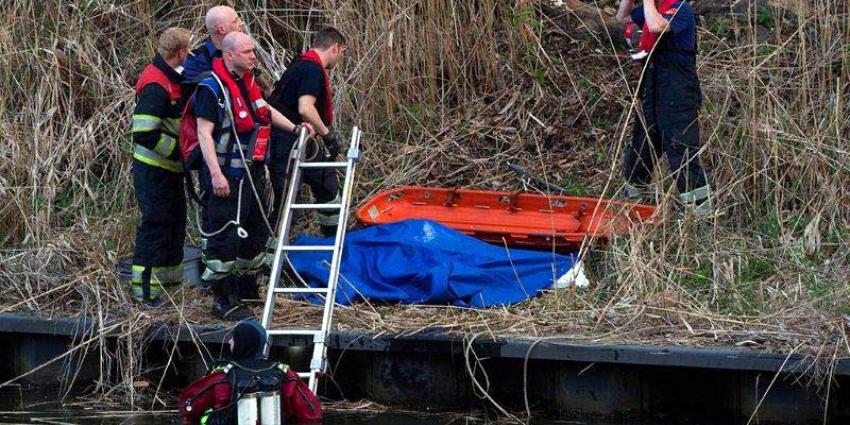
x=146, y=294
x=226, y=305
x=248, y=290
x=639, y=194
x=698, y=200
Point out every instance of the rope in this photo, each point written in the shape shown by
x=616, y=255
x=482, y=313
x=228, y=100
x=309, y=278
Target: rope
x=240, y=231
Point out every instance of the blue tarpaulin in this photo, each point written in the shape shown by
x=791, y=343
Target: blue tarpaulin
x=424, y=262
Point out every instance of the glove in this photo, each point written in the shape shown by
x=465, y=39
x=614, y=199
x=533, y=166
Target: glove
x=331, y=144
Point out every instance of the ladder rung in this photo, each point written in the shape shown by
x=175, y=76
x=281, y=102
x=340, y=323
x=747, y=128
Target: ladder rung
x=300, y=290
x=305, y=374
x=308, y=248
x=293, y=332
x=315, y=206
x=324, y=164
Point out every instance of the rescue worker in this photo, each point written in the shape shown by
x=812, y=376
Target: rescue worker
x=249, y=375
x=220, y=21
x=229, y=112
x=158, y=171
x=671, y=99
x=304, y=94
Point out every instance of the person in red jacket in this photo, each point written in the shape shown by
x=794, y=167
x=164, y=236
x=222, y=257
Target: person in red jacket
x=241, y=382
x=158, y=171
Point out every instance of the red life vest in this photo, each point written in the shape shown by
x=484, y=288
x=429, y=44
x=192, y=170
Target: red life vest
x=328, y=112
x=648, y=39
x=152, y=74
x=242, y=116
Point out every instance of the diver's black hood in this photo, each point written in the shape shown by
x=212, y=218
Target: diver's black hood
x=249, y=339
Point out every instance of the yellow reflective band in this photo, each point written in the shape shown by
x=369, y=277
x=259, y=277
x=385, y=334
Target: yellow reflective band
x=159, y=275
x=244, y=265
x=172, y=126
x=695, y=195
x=143, y=122
x=165, y=145
x=219, y=266
x=213, y=275
x=206, y=418
x=147, y=156
x=168, y=275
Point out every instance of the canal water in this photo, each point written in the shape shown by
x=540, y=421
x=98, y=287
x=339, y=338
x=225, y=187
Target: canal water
x=331, y=418
x=127, y=418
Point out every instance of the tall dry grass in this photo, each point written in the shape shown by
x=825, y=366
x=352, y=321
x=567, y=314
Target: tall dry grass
x=448, y=91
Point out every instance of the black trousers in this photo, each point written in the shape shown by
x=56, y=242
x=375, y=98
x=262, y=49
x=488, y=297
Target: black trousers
x=668, y=124
x=226, y=254
x=158, y=255
x=324, y=183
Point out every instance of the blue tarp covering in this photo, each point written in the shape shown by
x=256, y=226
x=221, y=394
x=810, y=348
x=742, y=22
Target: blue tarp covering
x=424, y=262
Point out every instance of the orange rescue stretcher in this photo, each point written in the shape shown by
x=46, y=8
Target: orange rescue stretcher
x=517, y=219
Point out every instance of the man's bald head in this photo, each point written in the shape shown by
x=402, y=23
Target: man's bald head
x=222, y=20
x=234, y=41
x=238, y=51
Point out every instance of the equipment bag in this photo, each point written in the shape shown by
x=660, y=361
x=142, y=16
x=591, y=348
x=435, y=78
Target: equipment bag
x=258, y=146
x=300, y=405
x=210, y=392
x=189, y=137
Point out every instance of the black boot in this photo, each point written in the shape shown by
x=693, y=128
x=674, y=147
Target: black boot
x=226, y=305
x=248, y=290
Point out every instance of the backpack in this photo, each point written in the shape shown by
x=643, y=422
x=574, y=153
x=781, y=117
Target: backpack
x=299, y=404
x=188, y=139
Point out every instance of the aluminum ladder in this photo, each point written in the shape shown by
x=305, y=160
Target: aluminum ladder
x=283, y=247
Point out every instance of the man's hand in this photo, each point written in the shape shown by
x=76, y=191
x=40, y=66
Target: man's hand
x=331, y=144
x=624, y=12
x=311, y=132
x=221, y=187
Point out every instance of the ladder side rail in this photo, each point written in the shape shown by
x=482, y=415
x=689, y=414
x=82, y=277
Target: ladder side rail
x=283, y=232
x=320, y=347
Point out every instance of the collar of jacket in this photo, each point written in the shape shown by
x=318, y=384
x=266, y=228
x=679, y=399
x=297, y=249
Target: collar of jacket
x=159, y=62
x=211, y=49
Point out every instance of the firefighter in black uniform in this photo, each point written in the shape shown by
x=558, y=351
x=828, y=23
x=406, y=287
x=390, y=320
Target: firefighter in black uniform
x=671, y=99
x=304, y=94
x=158, y=171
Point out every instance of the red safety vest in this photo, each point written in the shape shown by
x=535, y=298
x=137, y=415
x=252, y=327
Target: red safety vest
x=154, y=75
x=328, y=102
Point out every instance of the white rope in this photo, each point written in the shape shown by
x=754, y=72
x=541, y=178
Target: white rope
x=240, y=231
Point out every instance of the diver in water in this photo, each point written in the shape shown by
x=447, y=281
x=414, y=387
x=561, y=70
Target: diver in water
x=248, y=387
